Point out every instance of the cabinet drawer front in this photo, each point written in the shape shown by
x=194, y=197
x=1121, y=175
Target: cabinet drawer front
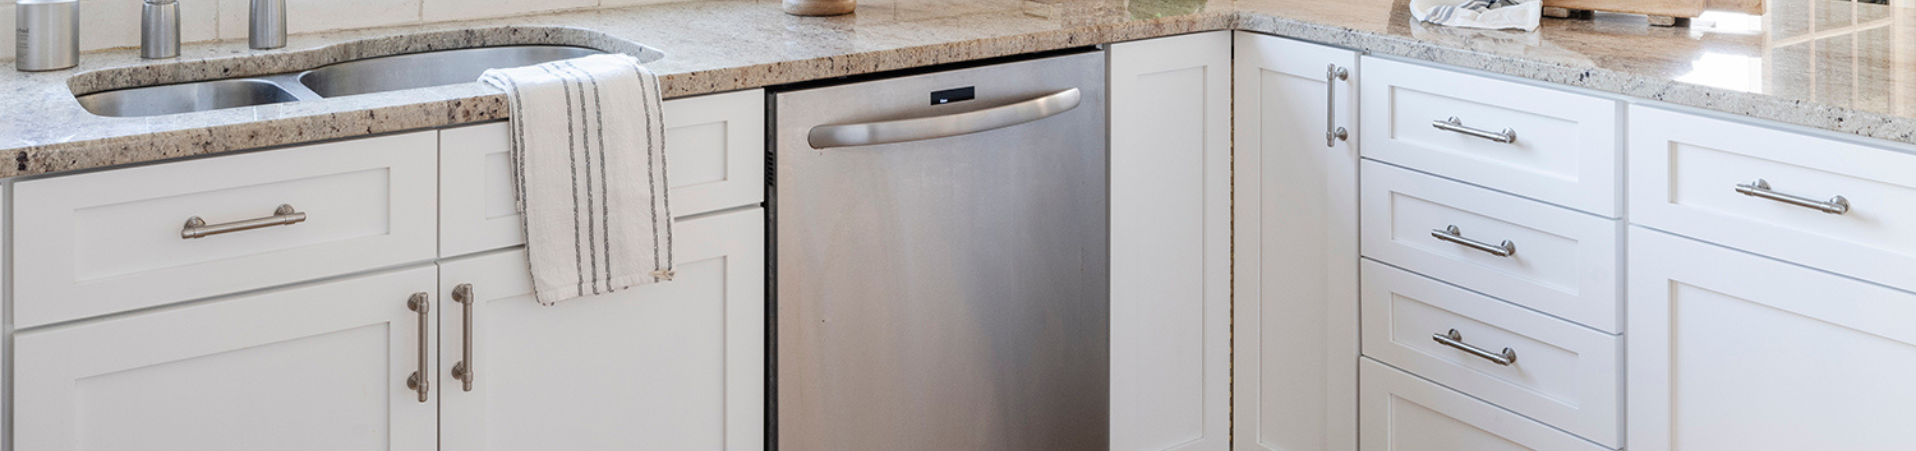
x=104, y=242
x=1685, y=175
x=1729, y=350
x=1564, y=264
x=1565, y=375
x=1400, y=412
x=714, y=147
x=288, y=370
x=1565, y=147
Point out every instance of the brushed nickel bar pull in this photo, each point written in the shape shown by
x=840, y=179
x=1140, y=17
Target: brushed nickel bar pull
x=1453, y=234
x=1333, y=133
x=284, y=215
x=920, y=129
x=463, y=370
x=1761, y=189
x=1456, y=125
x=1456, y=340
x=420, y=303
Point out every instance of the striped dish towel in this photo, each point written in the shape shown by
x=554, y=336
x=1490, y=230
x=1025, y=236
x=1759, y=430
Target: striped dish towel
x=1490, y=14
x=588, y=155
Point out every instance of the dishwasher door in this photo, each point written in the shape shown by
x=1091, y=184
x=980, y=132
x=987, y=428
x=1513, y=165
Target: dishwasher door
x=944, y=293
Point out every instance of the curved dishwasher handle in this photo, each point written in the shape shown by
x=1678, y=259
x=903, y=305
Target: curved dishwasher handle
x=872, y=133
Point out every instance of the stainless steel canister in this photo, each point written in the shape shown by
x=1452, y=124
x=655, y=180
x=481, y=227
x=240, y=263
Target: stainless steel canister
x=47, y=34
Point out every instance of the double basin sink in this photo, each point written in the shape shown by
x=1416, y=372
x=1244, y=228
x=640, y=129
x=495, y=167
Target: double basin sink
x=365, y=76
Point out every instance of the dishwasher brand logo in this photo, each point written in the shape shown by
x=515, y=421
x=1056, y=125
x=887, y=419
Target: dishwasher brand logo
x=953, y=95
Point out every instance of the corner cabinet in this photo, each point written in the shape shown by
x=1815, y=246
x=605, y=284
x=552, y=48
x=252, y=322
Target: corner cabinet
x=1295, y=340
x=1170, y=243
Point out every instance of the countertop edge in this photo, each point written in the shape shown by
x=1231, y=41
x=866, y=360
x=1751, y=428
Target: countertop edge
x=469, y=109
x=1896, y=130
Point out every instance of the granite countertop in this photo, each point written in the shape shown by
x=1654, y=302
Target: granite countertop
x=1829, y=64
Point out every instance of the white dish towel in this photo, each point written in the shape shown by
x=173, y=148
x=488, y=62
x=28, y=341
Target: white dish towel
x=1489, y=14
x=588, y=150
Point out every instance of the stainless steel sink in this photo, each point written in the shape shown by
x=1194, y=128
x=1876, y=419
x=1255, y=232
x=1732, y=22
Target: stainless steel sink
x=187, y=97
x=365, y=76
x=424, y=70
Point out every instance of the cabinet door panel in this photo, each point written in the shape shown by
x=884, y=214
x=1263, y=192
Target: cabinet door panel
x=1295, y=345
x=318, y=368
x=1170, y=243
x=1729, y=350
x=669, y=366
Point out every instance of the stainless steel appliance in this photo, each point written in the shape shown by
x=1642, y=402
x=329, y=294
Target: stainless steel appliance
x=941, y=272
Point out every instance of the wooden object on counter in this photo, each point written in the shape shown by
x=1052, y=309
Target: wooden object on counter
x=1661, y=12
x=820, y=7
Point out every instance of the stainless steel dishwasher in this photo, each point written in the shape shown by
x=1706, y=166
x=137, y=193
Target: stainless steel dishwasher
x=941, y=267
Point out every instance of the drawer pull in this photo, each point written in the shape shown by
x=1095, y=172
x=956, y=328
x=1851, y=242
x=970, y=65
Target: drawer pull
x=1333, y=133
x=1761, y=189
x=420, y=304
x=284, y=215
x=1455, y=235
x=1455, y=339
x=1456, y=125
x=463, y=370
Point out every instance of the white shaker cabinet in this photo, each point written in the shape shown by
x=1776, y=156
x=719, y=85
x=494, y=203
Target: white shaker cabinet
x=1296, y=341
x=320, y=368
x=669, y=366
x=1170, y=243
x=1731, y=351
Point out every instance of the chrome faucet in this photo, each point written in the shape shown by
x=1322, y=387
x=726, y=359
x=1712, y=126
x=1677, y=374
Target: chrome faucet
x=268, y=25
x=160, y=29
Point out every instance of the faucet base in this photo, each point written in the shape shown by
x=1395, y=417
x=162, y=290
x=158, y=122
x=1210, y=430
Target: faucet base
x=267, y=27
x=160, y=30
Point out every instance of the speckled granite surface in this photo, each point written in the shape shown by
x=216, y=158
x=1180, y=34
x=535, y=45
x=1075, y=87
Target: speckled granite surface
x=1835, y=65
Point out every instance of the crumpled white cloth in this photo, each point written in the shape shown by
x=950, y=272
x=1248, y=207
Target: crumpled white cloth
x=1489, y=14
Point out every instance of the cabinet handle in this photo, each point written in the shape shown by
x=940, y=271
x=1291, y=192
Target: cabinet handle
x=420, y=303
x=1333, y=133
x=1761, y=189
x=284, y=215
x=463, y=370
x=1456, y=125
x=1455, y=235
x=1456, y=340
